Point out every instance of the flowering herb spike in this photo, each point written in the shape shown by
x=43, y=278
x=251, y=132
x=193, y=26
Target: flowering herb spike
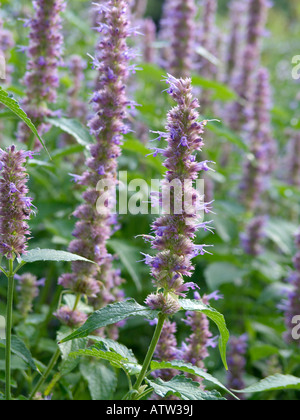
x=44, y=53
x=15, y=205
x=174, y=232
x=237, y=363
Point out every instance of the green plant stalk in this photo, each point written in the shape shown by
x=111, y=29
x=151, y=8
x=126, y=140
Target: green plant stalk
x=52, y=362
x=161, y=320
x=10, y=297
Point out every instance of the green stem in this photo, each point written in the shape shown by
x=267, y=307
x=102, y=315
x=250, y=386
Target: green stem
x=151, y=350
x=43, y=378
x=10, y=297
x=53, y=361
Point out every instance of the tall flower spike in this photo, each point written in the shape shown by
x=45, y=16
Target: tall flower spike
x=44, y=53
x=238, y=10
x=181, y=18
x=15, y=206
x=293, y=159
x=77, y=108
x=28, y=290
x=292, y=303
x=96, y=224
x=6, y=44
x=175, y=230
x=244, y=80
x=195, y=348
x=262, y=146
x=252, y=239
x=149, y=30
x=237, y=363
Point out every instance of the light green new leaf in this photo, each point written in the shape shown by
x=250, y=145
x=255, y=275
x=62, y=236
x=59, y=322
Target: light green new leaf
x=101, y=379
x=214, y=315
x=14, y=107
x=74, y=128
x=51, y=255
x=116, y=347
x=184, y=388
x=112, y=314
x=188, y=368
x=19, y=349
x=274, y=383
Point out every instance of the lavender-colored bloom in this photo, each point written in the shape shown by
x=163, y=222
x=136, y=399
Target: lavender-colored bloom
x=139, y=8
x=28, y=290
x=195, y=349
x=181, y=35
x=77, y=108
x=252, y=238
x=15, y=205
x=173, y=232
x=6, y=44
x=149, y=31
x=244, y=83
x=237, y=363
x=260, y=165
x=293, y=159
x=69, y=317
x=238, y=10
x=94, y=226
x=44, y=53
x=292, y=303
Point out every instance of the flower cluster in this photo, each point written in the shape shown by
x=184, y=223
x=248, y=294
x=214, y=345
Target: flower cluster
x=28, y=290
x=291, y=305
x=77, y=108
x=95, y=225
x=293, y=159
x=252, y=238
x=174, y=232
x=194, y=349
x=237, y=363
x=69, y=317
x=6, y=44
x=244, y=80
x=44, y=53
x=15, y=206
x=181, y=19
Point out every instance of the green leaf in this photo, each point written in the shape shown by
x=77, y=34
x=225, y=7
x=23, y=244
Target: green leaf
x=184, y=388
x=188, y=368
x=112, y=314
x=51, y=255
x=214, y=315
x=19, y=349
x=110, y=356
x=116, y=347
x=222, y=92
x=274, y=383
x=14, y=106
x=222, y=131
x=220, y=273
x=74, y=128
x=128, y=255
x=101, y=379
x=281, y=232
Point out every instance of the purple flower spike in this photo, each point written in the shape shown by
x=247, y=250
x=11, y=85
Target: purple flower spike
x=15, y=206
x=44, y=53
x=28, y=290
x=237, y=363
x=174, y=231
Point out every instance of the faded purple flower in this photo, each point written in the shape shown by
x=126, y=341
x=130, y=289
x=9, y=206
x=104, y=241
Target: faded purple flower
x=15, y=206
x=293, y=159
x=77, y=108
x=149, y=31
x=44, y=53
x=28, y=290
x=237, y=363
x=69, y=317
x=252, y=239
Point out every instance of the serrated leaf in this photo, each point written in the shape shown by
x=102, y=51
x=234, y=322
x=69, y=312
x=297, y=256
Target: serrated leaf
x=188, y=368
x=74, y=128
x=51, y=255
x=101, y=379
x=14, y=106
x=112, y=357
x=112, y=314
x=184, y=388
x=19, y=349
x=273, y=383
x=116, y=347
x=214, y=315
x=128, y=256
